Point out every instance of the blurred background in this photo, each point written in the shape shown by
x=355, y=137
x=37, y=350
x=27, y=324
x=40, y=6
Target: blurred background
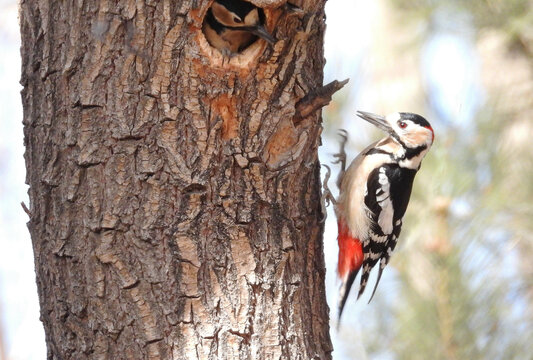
x=460, y=283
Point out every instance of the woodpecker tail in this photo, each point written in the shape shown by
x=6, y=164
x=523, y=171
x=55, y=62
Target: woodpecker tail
x=381, y=267
x=350, y=260
x=364, y=280
x=344, y=291
x=385, y=260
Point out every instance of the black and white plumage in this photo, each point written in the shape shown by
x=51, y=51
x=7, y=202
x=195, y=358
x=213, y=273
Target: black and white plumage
x=374, y=194
x=233, y=25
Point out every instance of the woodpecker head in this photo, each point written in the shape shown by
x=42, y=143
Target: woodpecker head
x=410, y=130
x=241, y=16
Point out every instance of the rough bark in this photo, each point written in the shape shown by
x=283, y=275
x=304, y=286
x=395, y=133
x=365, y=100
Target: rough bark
x=174, y=202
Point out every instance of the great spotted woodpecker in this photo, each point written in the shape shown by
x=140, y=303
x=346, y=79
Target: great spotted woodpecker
x=233, y=25
x=373, y=195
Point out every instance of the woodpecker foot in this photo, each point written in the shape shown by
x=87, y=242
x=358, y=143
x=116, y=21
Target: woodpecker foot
x=316, y=99
x=227, y=55
x=327, y=197
x=341, y=156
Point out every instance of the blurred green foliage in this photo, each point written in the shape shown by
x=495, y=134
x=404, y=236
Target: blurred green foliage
x=513, y=17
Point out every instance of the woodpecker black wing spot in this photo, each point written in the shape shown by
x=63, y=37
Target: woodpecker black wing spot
x=378, y=201
x=377, y=238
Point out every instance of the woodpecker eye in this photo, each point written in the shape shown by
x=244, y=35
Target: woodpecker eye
x=237, y=20
x=402, y=125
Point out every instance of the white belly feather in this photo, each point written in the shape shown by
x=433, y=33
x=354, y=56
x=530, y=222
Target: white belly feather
x=351, y=204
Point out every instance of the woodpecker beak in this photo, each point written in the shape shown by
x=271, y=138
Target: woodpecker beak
x=376, y=120
x=261, y=32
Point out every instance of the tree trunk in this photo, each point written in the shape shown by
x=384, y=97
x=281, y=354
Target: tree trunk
x=174, y=193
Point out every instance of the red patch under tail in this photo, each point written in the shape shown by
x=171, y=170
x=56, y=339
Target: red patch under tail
x=350, y=251
x=350, y=260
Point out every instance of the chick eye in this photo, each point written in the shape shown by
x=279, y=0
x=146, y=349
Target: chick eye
x=402, y=125
x=237, y=20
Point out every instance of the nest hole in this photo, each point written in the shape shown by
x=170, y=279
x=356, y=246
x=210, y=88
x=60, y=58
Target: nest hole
x=232, y=26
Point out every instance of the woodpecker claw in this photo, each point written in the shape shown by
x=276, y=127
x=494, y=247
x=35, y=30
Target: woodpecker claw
x=226, y=55
x=327, y=197
x=341, y=156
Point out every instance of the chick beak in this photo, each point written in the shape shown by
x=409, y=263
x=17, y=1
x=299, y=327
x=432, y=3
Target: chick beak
x=260, y=31
x=376, y=120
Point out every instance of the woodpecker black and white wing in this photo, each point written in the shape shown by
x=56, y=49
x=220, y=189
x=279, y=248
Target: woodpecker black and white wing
x=387, y=195
x=389, y=248
x=380, y=213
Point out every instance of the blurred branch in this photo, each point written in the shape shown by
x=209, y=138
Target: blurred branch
x=25, y=208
